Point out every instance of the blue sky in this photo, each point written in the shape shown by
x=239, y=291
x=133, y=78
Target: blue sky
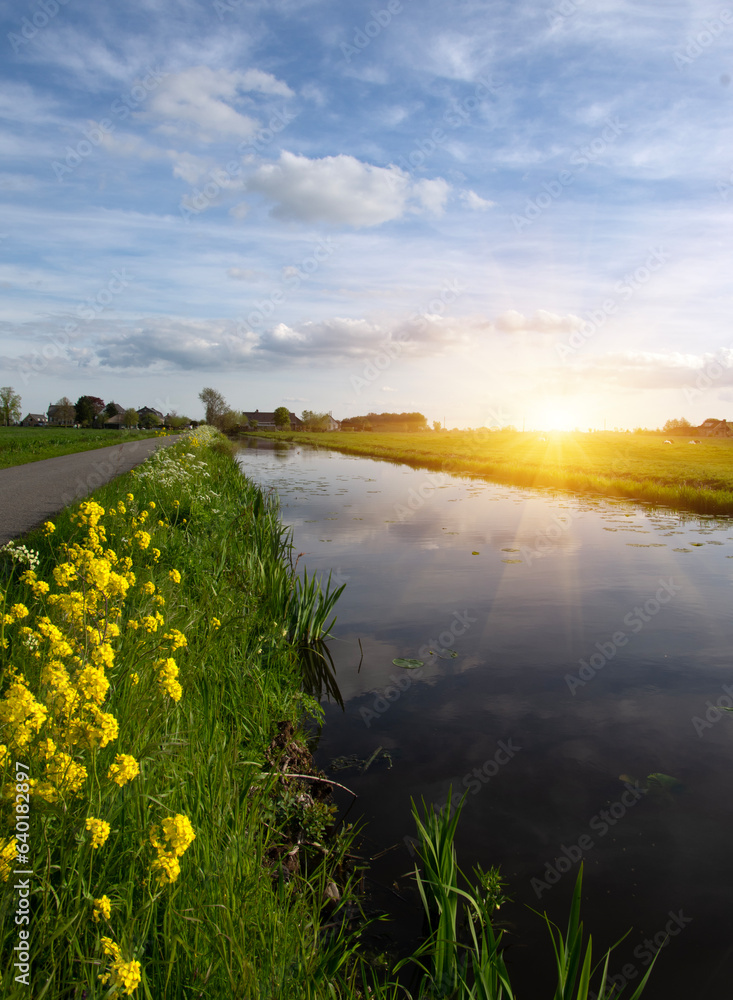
x=491, y=212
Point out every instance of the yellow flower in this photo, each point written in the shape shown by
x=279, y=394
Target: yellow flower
x=124, y=769
x=176, y=503
x=179, y=833
x=126, y=975
x=130, y=498
x=20, y=711
x=177, y=639
x=93, y=684
x=142, y=538
x=102, y=908
x=168, y=866
x=110, y=947
x=167, y=677
x=156, y=555
x=215, y=623
x=148, y=588
x=99, y=829
x=174, y=575
x=49, y=527
x=135, y=678
x=8, y=854
x=151, y=505
x=19, y=611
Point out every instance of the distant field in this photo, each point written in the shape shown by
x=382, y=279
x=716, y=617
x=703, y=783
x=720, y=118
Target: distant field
x=19, y=445
x=639, y=467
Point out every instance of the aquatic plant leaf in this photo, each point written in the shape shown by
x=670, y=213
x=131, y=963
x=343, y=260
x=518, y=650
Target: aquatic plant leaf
x=447, y=654
x=664, y=780
x=407, y=663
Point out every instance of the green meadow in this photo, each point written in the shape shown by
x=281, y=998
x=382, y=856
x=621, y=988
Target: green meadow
x=19, y=445
x=642, y=467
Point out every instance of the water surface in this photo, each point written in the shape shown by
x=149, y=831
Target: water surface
x=572, y=647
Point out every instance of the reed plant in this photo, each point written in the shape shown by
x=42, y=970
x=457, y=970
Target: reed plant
x=462, y=957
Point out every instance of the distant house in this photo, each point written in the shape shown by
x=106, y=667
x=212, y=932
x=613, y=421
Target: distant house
x=34, y=420
x=715, y=428
x=113, y=421
x=331, y=424
x=155, y=416
x=266, y=421
x=61, y=416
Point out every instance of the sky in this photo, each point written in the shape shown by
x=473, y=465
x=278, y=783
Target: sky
x=508, y=212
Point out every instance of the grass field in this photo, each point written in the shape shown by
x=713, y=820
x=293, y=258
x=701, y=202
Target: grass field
x=638, y=467
x=19, y=445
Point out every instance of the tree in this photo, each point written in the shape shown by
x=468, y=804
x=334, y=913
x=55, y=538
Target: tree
x=9, y=405
x=437, y=425
x=175, y=421
x=149, y=420
x=87, y=408
x=216, y=406
x=315, y=421
x=65, y=411
x=282, y=418
x=672, y=425
x=130, y=418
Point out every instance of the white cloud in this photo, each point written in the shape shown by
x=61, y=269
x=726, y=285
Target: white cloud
x=541, y=321
x=474, y=201
x=343, y=190
x=201, y=100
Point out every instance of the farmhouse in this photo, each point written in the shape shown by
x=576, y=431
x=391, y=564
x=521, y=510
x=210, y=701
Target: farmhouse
x=266, y=421
x=34, y=420
x=715, y=428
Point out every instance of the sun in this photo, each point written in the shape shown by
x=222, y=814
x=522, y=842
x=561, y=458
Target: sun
x=552, y=416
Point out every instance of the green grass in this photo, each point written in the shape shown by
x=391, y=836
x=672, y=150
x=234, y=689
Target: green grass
x=637, y=467
x=235, y=923
x=19, y=445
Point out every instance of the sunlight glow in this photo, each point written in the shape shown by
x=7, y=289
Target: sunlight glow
x=553, y=416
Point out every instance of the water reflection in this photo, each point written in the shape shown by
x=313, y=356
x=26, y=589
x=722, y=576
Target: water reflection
x=547, y=587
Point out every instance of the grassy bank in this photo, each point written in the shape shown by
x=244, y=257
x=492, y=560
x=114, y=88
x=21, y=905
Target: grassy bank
x=149, y=662
x=637, y=467
x=19, y=445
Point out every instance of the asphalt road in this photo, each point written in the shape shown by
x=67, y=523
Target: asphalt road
x=31, y=494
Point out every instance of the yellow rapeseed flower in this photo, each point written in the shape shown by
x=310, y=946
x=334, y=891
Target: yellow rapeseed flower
x=99, y=829
x=174, y=575
x=179, y=833
x=124, y=769
x=215, y=623
x=148, y=588
x=19, y=611
x=49, y=527
x=102, y=908
x=142, y=538
x=135, y=678
x=8, y=855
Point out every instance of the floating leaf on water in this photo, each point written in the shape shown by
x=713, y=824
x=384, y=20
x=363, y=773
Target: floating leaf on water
x=664, y=780
x=475, y=553
x=407, y=663
x=447, y=654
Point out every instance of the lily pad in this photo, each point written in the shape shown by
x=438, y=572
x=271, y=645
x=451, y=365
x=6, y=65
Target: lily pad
x=407, y=663
x=447, y=654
